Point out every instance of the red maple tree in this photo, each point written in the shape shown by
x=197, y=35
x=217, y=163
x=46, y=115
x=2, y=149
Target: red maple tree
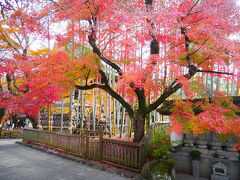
x=183, y=38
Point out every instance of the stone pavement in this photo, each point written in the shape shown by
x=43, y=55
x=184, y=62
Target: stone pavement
x=188, y=177
x=8, y=141
x=18, y=162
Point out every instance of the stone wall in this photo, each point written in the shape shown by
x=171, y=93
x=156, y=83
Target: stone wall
x=211, y=145
x=183, y=163
x=212, y=151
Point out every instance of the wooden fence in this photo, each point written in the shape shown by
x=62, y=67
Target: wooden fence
x=92, y=146
x=16, y=133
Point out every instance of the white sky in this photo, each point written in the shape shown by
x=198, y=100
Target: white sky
x=55, y=29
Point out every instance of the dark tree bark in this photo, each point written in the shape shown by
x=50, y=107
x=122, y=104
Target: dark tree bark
x=138, y=125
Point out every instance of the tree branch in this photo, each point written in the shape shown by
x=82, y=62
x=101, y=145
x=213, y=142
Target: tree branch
x=117, y=37
x=214, y=72
x=103, y=75
x=205, y=9
x=171, y=89
x=200, y=47
x=14, y=82
x=86, y=77
x=57, y=4
x=192, y=7
x=92, y=42
x=9, y=85
x=141, y=97
x=9, y=43
x=208, y=57
x=111, y=92
x=187, y=43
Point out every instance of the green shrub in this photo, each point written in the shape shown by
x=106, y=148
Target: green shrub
x=164, y=166
x=195, y=155
x=160, y=142
x=161, y=152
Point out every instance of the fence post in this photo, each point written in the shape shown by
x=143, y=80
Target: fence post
x=101, y=143
x=87, y=143
x=140, y=156
x=38, y=137
x=69, y=142
x=51, y=137
x=57, y=139
x=24, y=136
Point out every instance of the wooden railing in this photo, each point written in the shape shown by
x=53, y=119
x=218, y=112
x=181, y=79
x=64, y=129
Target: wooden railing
x=16, y=133
x=71, y=143
x=123, y=154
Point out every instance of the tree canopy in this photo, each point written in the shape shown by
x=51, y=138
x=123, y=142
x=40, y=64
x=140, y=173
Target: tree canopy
x=154, y=48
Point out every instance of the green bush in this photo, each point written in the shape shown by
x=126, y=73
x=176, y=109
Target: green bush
x=161, y=152
x=164, y=166
x=160, y=142
x=195, y=155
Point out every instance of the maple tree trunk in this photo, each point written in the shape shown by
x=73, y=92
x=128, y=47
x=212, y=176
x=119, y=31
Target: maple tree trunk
x=138, y=126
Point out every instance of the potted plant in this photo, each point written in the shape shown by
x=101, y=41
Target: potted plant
x=195, y=155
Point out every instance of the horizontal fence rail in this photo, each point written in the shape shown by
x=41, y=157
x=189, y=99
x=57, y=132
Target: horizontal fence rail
x=91, y=145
